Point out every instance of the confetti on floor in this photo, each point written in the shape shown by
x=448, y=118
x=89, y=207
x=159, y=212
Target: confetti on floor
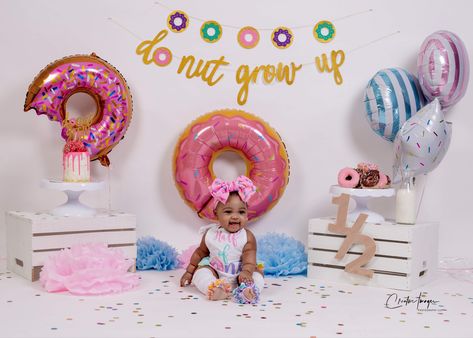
x=289, y=307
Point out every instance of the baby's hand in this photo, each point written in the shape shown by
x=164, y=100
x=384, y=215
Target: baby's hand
x=186, y=278
x=245, y=277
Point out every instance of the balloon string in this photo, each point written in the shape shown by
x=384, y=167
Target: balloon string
x=421, y=196
x=269, y=28
x=109, y=179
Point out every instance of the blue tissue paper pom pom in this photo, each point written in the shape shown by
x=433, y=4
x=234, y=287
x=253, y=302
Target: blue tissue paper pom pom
x=281, y=255
x=155, y=254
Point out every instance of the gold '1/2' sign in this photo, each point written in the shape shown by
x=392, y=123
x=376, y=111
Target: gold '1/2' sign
x=209, y=70
x=353, y=236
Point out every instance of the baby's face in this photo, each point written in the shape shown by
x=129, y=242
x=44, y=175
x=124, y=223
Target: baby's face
x=232, y=215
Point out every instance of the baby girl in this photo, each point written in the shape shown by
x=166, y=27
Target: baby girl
x=225, y=260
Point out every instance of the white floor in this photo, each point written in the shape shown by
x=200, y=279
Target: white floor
x=290, y=307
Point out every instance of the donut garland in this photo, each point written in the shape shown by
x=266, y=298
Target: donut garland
x=207, y=69
x=365, y=175
x=248, y=37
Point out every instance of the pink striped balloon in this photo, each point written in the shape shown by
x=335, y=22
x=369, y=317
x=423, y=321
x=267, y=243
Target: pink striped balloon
x=443, y=68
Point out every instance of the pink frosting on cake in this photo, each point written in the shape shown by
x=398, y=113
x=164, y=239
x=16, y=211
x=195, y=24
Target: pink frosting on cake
x=74, y=147
x=76, y=162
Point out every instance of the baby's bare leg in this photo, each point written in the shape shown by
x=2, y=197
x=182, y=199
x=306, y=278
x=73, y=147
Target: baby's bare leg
x=202, y=278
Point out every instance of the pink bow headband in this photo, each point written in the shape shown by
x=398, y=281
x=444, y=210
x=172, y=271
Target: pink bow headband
x=220, y=189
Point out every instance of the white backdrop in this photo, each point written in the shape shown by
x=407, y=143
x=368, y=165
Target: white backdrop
x=322, y=125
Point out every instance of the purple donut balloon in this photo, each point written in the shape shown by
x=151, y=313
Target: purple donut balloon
x=443, y=68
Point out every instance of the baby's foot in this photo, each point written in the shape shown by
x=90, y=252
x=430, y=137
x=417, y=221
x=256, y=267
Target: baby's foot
x=218, y=294
x=219, y=290
x=246, y=294
x=249, y=294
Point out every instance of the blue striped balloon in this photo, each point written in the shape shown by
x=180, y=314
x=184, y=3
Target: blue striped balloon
x=392, y=96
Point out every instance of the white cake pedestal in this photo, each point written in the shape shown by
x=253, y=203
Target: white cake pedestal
x=362, y=197
x=73, y=206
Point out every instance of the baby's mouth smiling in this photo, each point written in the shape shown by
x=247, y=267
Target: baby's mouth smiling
x=234, y=223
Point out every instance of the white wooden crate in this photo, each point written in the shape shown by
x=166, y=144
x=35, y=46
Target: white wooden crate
x=32, y=237
x=406, y=255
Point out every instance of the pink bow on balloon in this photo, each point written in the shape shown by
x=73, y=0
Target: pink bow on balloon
x=221, y=189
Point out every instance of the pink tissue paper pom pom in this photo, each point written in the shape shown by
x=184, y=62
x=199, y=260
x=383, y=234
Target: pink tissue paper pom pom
x=185, y=257
x=88, y=269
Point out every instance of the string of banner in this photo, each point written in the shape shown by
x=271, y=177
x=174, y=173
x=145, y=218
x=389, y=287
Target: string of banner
x=248, y=37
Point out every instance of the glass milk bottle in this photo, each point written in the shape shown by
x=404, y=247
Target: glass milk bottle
x=406, y=204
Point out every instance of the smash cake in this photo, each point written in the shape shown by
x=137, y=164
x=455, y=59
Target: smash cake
x=364, y=176
x=76, y=162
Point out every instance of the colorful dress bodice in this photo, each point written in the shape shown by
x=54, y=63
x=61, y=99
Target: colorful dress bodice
x=225, y=251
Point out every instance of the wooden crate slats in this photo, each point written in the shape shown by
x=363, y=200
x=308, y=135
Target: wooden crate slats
x=33, y=237
x=406, y=256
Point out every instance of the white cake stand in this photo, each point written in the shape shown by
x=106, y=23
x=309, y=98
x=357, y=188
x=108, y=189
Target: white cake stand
x=72, y=207
x=361, y=197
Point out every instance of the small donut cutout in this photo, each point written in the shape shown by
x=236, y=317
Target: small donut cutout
x=178, y=21
x=248, y=37
x=211, y=31
x=282, y=37
x=324, y=31
x=348, y=178
x=162, y=56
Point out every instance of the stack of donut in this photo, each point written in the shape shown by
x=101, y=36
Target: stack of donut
x=365, y=175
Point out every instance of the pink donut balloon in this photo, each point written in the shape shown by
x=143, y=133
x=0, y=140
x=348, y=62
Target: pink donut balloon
x=230, y=130
x=443, y=68
x=52, y=87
